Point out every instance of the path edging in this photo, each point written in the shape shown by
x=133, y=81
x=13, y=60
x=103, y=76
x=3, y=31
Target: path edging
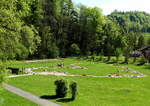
x=28, y=96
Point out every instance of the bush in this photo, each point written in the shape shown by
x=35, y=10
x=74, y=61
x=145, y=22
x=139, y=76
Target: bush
x=93, y=57
x=75, y=50
x=61, y=88
x=73, y=87
x=117, y=53
x=53, y=51
x=142, y=61
x=2, y=73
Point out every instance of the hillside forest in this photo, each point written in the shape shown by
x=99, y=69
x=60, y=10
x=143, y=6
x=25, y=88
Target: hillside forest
x=32, y=29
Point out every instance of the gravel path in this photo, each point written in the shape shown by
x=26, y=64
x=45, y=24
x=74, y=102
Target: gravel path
x=14, y=76
x=29, y=71
x=29, y=96
x=44, y=60
x=75, y=75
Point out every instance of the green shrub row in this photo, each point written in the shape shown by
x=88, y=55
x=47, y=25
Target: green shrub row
x=62, y=89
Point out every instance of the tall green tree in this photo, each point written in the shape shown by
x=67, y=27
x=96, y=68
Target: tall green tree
x=141, y=41
x=91, y=22
x=13, y=31
x=112, y=38
x=129, y=45
x=133, y=21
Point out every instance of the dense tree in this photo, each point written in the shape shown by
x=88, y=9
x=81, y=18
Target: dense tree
x=91, y=21
x=141, y=41
x=17, y=40
x=75, y=50
x=2, y=73
x=133, y=21
x=112, y=40
x=148, y=41
x=53, y=28
x=129, y=45
x=118, y=53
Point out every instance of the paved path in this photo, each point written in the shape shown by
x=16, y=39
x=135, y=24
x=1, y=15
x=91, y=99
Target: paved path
x=29, y=96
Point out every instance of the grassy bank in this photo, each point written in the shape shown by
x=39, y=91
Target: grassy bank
x=92, y=91
x=9, y=99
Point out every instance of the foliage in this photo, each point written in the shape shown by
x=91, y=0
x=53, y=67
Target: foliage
x=48, y=48
x=91, y=21
x=17, y=39
x=148, y=42
x=118, y=53
x=59, y=28
x=61, y=88
x=129, y=45
x=112, y=39
x=141, y=42
x=75, y=50
x=142, y=61
x=133, y=21
x=74, y=90
x=2, y=72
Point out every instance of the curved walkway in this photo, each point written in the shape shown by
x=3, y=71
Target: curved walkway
x=75, y=75
x=29, y=96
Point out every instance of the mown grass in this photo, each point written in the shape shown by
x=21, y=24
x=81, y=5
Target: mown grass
x=23, y=64
x=92, y=67
x=92, y=91
x=145, y=69
x=9, y=99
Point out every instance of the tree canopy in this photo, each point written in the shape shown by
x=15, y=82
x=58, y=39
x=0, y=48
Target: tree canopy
x=133, y=21
x=59, y=28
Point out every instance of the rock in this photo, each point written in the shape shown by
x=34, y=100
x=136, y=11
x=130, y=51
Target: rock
x=60, y=65
x=35, y=68
x=77, y=67
x=28, y=70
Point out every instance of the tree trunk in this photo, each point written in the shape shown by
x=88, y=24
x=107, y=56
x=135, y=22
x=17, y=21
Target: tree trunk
x=109, y=57
x=117, y=59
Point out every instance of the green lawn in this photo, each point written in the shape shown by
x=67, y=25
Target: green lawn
x=9, y=99
x=92, y=91
x=22, y=64
x=143, y=69
x=92, y=68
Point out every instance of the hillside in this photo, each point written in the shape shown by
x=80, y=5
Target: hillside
x=133, y=21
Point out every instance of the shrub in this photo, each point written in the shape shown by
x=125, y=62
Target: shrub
x=75, y=50
x=73, y=87
x=117, y=53
x=61, y=88
x=142, y=61
x=93, y=57
x=2, y=73
x=53, y=51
